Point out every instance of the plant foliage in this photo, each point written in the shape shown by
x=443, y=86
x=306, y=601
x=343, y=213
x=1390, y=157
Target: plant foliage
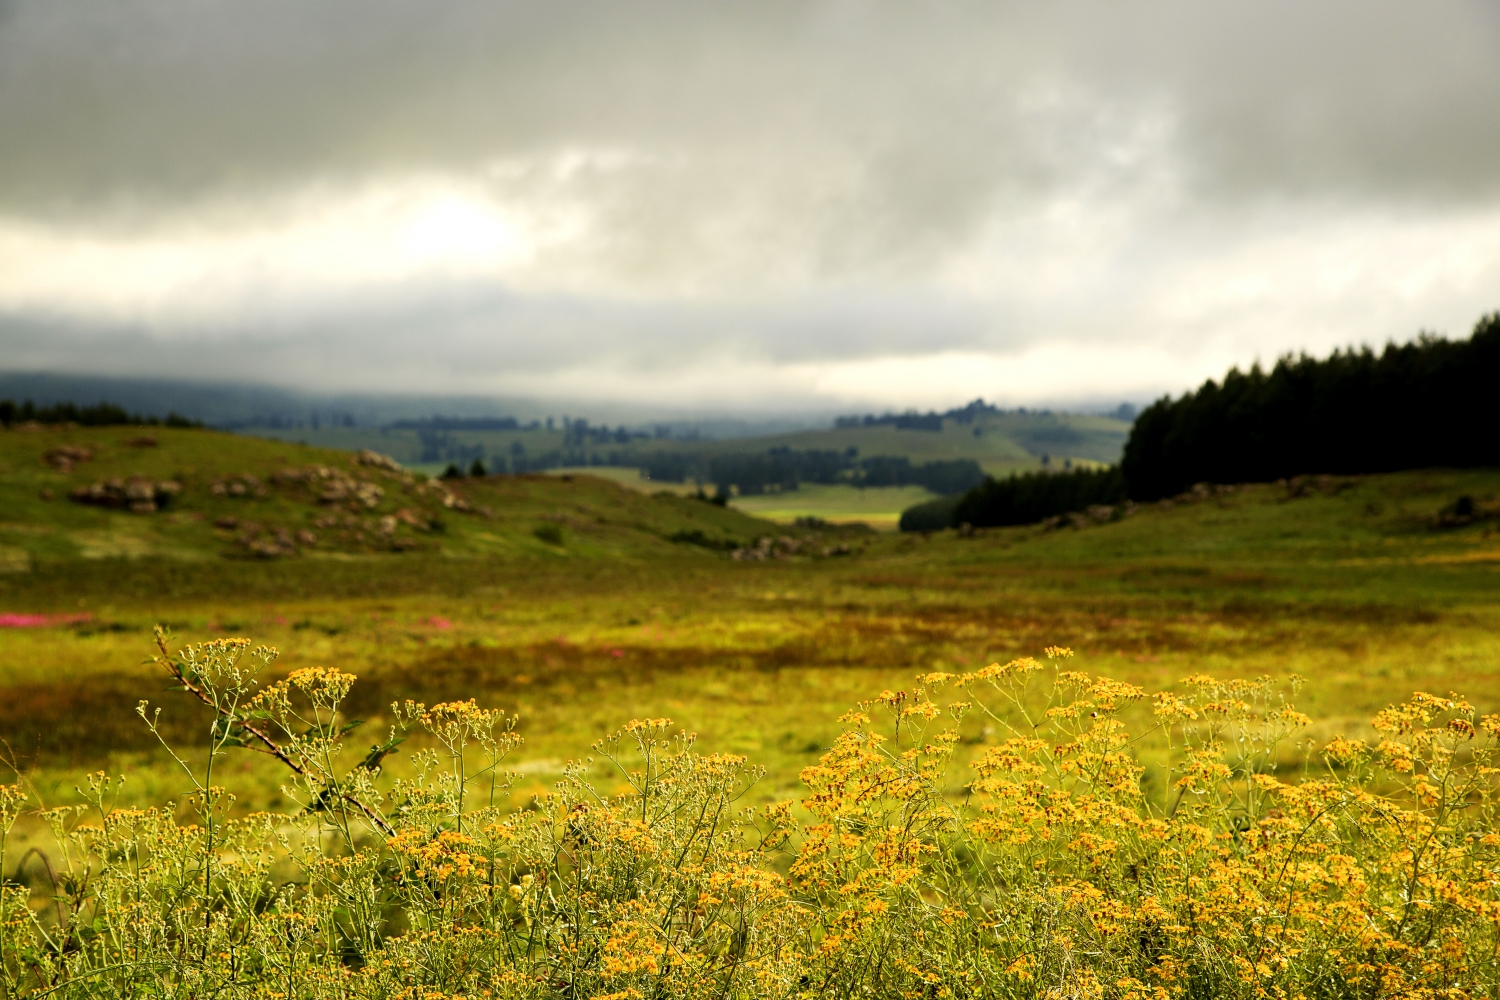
x=1247, y=862
x=1034, y=496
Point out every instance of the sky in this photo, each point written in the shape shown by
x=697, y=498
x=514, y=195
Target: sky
x=758, y=207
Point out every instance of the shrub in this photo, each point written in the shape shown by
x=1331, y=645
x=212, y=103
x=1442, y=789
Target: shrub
x=549, y=533
x=1054, y=866
x=930, y=515
x=1033, y=496
x=698, y=537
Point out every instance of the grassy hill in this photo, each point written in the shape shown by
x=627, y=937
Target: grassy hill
x=203, y=495
x=1000, y=443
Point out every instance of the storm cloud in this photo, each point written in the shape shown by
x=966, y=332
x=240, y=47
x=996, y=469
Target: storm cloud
x=746, y=205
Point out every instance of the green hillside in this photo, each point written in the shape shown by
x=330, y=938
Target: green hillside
x=193, y=495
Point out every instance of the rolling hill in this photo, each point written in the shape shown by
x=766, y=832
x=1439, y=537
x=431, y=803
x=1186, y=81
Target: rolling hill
x=189, y=496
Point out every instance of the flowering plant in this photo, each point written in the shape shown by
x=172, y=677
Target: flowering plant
x=999, y=833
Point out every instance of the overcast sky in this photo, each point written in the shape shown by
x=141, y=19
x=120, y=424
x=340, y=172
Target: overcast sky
x=740, y=206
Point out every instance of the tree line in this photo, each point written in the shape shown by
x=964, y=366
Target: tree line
x=1427, y=403
x=1431, y=402
x=1021, y=499
x=912, y=420
x=786, y=468
x=98, y=415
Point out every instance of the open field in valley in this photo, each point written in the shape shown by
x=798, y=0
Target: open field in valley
x=879, y=507
x=1348, y=584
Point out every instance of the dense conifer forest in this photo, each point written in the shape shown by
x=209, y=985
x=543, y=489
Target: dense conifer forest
x=1431, y=402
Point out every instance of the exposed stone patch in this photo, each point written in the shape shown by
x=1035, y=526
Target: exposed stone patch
x=137, y=494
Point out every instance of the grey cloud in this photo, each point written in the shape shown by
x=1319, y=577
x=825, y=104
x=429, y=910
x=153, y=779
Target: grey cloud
x=905, y=116
x=469, y=335
x=785, y=182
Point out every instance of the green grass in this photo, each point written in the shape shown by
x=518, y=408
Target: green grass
x=1351, y=588
x=598, y=517
x=878, y=506
x=629, y=477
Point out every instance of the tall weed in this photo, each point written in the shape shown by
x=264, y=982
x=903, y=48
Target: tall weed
x=1057, y=861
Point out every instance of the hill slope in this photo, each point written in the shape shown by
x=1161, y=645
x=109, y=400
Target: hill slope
x=193, y=495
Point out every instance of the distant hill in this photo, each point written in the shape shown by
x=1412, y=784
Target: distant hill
x=1001, y=442
x=944, y=452
x=74, y=494
x=233, y=406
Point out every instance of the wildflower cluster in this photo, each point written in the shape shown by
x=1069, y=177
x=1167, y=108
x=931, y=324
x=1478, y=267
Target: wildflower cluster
x=1022, y=830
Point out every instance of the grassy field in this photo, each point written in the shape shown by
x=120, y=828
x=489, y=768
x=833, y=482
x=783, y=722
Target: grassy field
x=629, y=477
x=1350, y=586
x=245, y=498
x=878, y=506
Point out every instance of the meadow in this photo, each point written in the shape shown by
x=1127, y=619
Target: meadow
x=1349, y=585
x=878, y=507
x=635, y=610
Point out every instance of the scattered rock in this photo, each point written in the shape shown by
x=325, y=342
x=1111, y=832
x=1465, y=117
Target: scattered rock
x=1304, y=486
x=303, y=474
x=244, y=485
x=358, y=492
x=445, y=496
x=144, y=441
x=767, y=547
x=65, y=457
x=228, y=522
x=375, y=458
x=413, y=517
x=333, y=485
x=266, y=543
x=46, y=494
x=138, y=494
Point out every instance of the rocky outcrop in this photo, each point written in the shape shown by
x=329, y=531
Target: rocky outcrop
x=137, y=494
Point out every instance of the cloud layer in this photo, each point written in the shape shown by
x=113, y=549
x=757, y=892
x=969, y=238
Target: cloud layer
x=739, y=206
